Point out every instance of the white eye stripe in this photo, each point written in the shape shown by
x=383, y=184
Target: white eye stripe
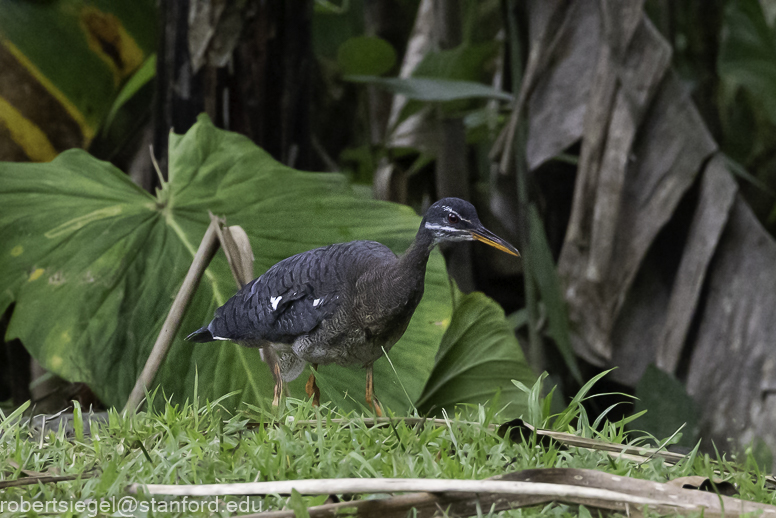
x=453, y=230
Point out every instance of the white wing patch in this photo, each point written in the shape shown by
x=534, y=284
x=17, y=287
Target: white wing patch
x=316, y=302
x=219, y=338
x=275, y=301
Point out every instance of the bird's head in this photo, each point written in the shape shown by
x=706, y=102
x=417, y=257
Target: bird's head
x=453, y=219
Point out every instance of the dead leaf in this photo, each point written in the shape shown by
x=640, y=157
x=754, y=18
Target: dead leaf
x=647, y=257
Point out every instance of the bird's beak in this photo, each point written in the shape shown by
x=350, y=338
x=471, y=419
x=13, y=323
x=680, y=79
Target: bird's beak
x=489, y=238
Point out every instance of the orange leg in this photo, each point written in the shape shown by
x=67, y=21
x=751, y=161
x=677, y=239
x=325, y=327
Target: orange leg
x=312, y=388
x=371, y=398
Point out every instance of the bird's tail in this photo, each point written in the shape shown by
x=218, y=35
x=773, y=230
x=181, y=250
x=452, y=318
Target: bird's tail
x=201, y=335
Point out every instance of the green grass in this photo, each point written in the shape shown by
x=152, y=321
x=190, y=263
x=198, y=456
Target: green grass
x=204, y=444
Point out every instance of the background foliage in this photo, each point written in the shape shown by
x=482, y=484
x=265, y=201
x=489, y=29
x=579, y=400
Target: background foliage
x=411, y=100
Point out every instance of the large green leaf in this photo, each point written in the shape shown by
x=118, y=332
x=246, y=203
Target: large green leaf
x=92, y=263
x=479, y=356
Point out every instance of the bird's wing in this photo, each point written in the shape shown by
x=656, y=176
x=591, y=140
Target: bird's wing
x=294, y=296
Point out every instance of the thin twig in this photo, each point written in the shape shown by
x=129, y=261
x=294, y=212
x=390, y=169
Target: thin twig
x=370, y=422
x=237, y=248
x=567, y=439
x=570, y=439
x=393, y=485
x=207, y=250
x=663, y=444
x=31, y=481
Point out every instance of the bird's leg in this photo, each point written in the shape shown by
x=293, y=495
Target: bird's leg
x=371, y=398
x=312, y=388
x=278, y=393
x=273, y=361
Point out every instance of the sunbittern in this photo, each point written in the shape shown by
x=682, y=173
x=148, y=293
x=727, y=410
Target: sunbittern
x=342, y=303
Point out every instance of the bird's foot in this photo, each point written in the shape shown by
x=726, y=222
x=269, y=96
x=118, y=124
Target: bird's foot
x=375, y=404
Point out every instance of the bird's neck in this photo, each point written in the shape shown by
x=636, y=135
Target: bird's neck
x=398, y=286
x=413, y=262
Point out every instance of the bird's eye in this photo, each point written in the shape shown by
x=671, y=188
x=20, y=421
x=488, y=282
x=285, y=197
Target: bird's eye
x=453, y=218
